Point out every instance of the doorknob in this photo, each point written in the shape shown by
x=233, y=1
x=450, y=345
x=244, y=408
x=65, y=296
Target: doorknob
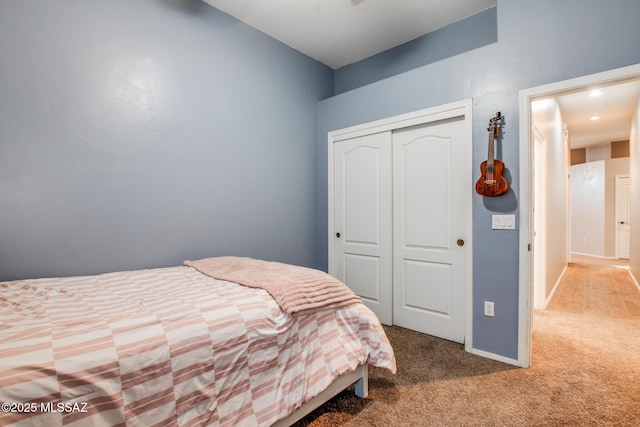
x=621, y=222
x=338, y=235
x=460, y=242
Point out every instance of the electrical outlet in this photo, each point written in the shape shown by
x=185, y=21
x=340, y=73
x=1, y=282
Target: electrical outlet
x=488, y=308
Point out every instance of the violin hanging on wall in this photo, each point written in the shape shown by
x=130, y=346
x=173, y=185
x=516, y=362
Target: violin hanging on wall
x=491, y=182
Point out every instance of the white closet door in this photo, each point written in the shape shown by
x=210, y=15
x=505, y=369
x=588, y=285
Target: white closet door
x=429, y=215
x=362, y=220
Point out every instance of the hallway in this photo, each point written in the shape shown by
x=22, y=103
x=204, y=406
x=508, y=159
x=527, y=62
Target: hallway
x=590, y=332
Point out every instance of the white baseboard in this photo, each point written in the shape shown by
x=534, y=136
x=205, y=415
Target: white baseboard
x=593, y=256
x=495, y=357
x=555, y=286
x=633, y=279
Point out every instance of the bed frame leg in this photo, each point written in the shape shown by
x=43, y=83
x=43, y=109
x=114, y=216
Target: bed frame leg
x=359, y=378
x=362, y=385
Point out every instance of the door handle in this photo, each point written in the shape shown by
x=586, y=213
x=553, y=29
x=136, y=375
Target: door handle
x=338, y=235
x=460, y=242
x=621, y=222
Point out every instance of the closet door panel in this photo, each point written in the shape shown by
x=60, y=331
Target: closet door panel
x=435, y=298
x=362, y=219
x=429, y=207
x=361, y=272
x=425, y=193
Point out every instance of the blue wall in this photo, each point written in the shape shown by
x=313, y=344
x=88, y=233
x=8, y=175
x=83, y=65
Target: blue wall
x=538, y=42
x=467, y=34
x=141, y=133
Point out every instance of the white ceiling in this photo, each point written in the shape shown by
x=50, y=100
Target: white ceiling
x=341, y=32
x=614, y=107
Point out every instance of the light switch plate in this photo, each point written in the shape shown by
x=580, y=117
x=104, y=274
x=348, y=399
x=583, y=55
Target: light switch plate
x=503, y=222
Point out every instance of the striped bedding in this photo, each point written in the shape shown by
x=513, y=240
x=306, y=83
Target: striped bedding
x=169, y=347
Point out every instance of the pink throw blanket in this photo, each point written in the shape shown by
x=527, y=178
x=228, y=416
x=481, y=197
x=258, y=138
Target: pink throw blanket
x=295, y=289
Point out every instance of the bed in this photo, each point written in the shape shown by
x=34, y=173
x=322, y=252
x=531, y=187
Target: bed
x=204, y=343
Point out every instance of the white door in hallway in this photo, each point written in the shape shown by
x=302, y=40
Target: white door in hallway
x=623, y=215
x=429, y=215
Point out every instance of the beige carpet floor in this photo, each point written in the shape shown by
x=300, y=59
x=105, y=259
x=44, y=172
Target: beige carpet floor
x=585, y=368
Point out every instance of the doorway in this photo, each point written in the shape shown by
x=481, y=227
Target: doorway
x=527, y=190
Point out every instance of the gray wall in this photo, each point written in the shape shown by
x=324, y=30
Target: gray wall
x=538, y=43
x=141, y=133
x=454, y=39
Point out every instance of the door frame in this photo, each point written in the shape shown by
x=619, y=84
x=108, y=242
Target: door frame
x=526, y=268
x=538, y=173
x=442, y=112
